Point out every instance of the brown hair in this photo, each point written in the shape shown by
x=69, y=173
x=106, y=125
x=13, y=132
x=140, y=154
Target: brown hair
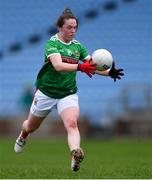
x=66, y=14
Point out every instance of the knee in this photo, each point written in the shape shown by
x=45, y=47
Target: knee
x=71, y=123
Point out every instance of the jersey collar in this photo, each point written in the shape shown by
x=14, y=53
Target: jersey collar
x=62, y=41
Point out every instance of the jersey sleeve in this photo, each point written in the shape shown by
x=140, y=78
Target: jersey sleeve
x=50, y=48
x=84, y=53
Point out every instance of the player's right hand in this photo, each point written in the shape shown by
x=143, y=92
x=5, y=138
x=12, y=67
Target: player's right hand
x=87, y=67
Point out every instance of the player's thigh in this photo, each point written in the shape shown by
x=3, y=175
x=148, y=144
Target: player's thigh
x=42, y=104
x=70, y=113
x=71, y=101
x=68, y=108
x=69, y=117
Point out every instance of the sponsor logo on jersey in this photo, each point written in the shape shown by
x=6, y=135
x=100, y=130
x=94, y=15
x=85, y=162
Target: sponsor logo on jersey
x=69, y=60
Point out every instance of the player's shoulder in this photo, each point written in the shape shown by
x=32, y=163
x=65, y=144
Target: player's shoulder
x=74, y=41
x=77, y=43
x=52, y=39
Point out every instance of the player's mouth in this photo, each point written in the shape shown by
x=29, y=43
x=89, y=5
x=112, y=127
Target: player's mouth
x=71, y=35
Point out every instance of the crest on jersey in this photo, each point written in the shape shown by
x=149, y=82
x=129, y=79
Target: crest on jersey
x=76, y=53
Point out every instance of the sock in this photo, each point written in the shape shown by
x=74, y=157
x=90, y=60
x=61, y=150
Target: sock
x=24, y=134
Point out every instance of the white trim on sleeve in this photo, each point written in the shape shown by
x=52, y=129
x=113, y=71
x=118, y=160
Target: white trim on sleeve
x=52, y=54
x=87, y=57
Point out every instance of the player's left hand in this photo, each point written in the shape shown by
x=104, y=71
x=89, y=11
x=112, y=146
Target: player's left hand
x=115, y=73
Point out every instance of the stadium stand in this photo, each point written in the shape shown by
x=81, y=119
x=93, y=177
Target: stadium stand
x=122, y=27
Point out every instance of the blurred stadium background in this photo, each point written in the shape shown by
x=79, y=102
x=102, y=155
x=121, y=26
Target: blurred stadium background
x=108, y=109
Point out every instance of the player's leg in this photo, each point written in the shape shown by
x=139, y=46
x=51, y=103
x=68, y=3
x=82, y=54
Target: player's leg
x=69, y=117
x=29, y=126
x=68, y=109
x=40, y=108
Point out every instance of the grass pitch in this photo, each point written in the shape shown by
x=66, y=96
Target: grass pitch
x=50, y=159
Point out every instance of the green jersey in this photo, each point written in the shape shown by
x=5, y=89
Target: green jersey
x=60, y=84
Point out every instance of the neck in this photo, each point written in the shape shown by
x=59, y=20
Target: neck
x=63, y=38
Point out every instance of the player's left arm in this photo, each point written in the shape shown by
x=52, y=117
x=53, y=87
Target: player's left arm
x=113, y=72
x=103, y=73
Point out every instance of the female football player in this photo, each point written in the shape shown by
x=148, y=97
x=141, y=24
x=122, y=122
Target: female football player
x=56, y=85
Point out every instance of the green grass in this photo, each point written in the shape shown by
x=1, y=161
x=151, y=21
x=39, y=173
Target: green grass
x=50, y=159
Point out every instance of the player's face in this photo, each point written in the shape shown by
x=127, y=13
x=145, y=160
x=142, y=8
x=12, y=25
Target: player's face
x=68, y=30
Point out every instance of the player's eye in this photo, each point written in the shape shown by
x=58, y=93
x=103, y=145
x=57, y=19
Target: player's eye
x=71, y=27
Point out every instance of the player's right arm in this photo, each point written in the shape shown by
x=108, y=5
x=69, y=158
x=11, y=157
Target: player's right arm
x=53, y=55
x=60, y=66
